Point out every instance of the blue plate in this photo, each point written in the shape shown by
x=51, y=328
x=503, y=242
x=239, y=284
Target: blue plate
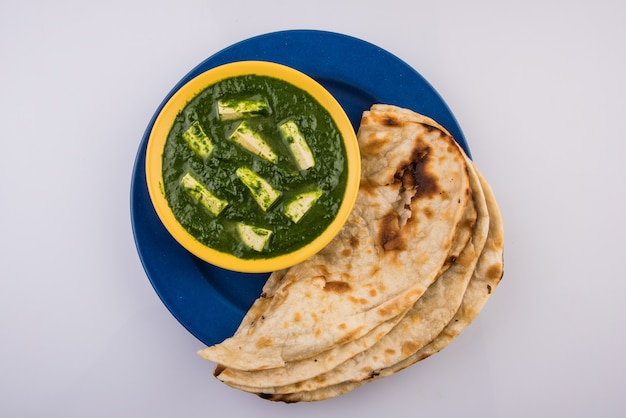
x=209, y=301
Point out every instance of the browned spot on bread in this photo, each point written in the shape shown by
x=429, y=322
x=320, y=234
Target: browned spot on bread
x=366, y=369
x=354, y=241
x=342, y=326
x=349, y=336
x=390, y=236
x=408, y=348
x=465, y=261
x=297, y=317
x=494, y=272
x=320, y=379
x=358, y=301
x=386, y=310
x=430, y=128
x=337, y=286
x=323, y=269
x=374, y=144
x=373, y=292
x=367, y=186
x=263, y=342
x=346, y=252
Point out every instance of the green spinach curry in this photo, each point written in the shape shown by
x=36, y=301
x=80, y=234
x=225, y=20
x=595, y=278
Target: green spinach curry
x=255, y=167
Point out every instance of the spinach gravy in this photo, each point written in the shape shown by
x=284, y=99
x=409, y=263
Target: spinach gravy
x=255, y=167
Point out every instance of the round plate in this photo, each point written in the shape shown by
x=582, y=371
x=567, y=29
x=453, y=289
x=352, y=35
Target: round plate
x=208, y=301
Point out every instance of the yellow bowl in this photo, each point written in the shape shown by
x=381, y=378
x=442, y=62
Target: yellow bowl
x=156, y=183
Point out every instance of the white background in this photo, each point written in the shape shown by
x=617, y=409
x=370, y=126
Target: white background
x=538, y=88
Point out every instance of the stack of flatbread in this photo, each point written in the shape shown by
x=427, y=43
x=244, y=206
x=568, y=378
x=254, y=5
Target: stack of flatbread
x=416, y=261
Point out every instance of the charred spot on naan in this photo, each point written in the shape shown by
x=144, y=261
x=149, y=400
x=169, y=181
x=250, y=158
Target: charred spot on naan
x=416, y=176
x=390, y=121
x=419, y=181
x=218, y=370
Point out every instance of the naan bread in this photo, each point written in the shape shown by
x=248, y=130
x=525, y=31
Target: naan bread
x=413, y=266
x=413, y=194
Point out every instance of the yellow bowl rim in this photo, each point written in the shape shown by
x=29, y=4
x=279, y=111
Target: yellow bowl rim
x=158, y=138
